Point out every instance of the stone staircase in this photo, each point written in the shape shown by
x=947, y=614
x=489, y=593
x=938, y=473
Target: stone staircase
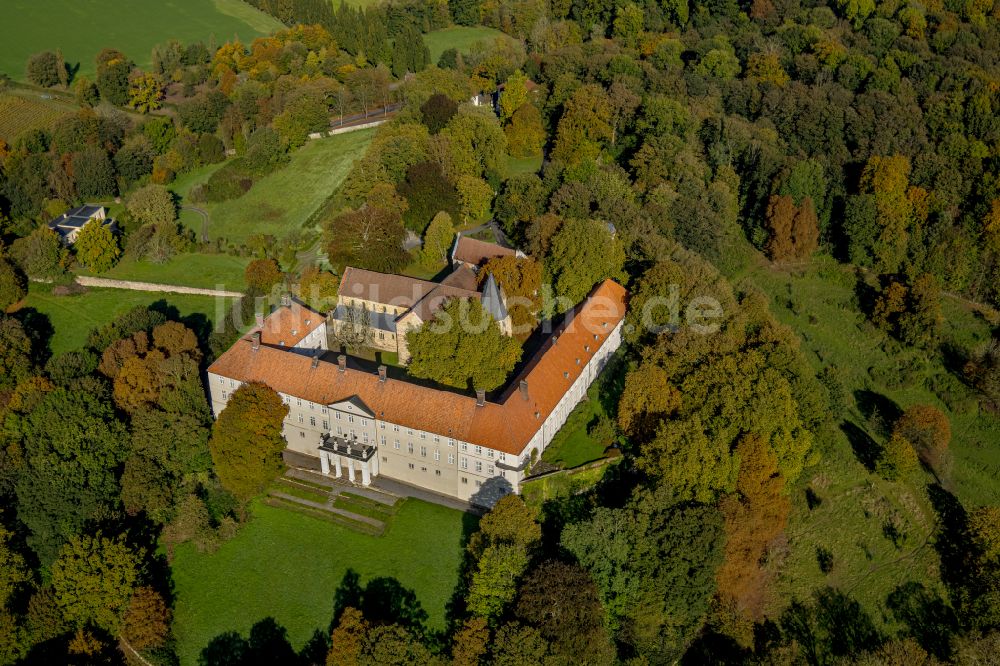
x=336, y=500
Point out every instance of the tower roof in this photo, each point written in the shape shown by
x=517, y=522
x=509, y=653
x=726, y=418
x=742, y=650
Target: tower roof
x=493, y=300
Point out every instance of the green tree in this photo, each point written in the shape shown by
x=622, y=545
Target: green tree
x=152, y=204
x=93, y=579
x=113, y=69
x=409, y=53
x=518, y=645
x=628, y=24
x=145, y=92
x=582, y=254
x=15, y=352
x=437, y=111
x=370, y=237
x=520, y=278
x=305, y=114
x=515, y=94
x=462, y=345
x=525, y=132
x=41, y=254
x=438, y=241
x=246, y=441
x=584, y=127
x=96, y=247
x=13, y=285
x=14, y=572
x=427, y=192
x=520, y=201
x=475, y=195
x=897, y=459
x=94, y=174
x=44, y=69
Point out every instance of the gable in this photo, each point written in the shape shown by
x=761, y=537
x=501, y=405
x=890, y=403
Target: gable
x=353, y=405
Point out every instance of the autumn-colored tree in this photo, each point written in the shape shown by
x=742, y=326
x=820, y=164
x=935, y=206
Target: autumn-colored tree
x=96, y=247
x=470, y=643
x=520, y=279
x=147, y=621
x=766, y=68
x=779, y=217
x=247, y=440
x=13, y=285
x=318, y=288
x=93, y=579
x=152, y=204
x=515, y=93
x=262, y=275
x=476, y=195
x=805, y=229
x=145, y=92
x=889, y=305
x=647, y=398
x=438, y=241
x=525, y=132
x=991, y=226
x=584, y=126
x=897, y=459
x=347, y=639
x=370, y=237
x=927, y=428
x=887, y=178
x=754, y=516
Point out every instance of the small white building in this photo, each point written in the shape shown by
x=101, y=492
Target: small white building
x=69, y=224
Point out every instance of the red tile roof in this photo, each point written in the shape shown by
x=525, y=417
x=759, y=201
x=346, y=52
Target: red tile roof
x=507, y=425
x=476, y=252
x=289, y=324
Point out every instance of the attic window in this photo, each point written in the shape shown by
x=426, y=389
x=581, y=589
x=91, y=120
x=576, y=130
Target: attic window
x=578, y=361
x=308, y=321
x=604, y=324
x=282, y=343
x=537, y=415
x=596, y=336
x=586, y=348
x=295, y=331
x=565, y=375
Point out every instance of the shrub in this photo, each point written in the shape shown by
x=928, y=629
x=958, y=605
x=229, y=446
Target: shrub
x=226, y=183
x=13, y=285
x=897, y=459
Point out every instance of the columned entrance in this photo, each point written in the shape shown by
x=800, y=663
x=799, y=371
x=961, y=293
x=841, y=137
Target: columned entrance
x=336, y=453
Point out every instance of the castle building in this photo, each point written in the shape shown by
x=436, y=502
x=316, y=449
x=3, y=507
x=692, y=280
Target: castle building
x=362, y=424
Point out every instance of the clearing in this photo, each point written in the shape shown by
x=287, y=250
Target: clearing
x=877, y=531
x=281, y=202
x=209, y=271
x=72, y=318
x=81, y=30
x=288, y=566
x=461, y=38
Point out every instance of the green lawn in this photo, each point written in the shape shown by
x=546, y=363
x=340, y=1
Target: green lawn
x=288, y=566
x=572, y=446
x=82, y=29
x=459, y=37
x=73, y=317
x=519, y=165
x=856, y=505
x=211, y=271
x=282, y=201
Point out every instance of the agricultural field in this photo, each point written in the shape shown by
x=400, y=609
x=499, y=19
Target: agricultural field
x=288, y=566
x=81, y=30
x=23, y=110
x=461, y=38
x=281, y=202
x=878, y=532
x=72, y=318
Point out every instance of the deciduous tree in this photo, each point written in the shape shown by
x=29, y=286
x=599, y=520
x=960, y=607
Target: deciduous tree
x=927, y=428
x=247, y=440
x=152, y=204
x=146, y=623
x=262, y=275
x=145, y=91
x=897, y=459
x=369, y=238
x=583, y=253
x=520, y=278
x=13, y=285
x=93, y=579
x=438, y=241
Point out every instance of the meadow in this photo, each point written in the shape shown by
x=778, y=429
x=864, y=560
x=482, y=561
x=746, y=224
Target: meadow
x=73, y=317
x=461, y=38
x=209, y=271
x=288, y=566
x=879, y=533
x=283, y=201
x=82, y=29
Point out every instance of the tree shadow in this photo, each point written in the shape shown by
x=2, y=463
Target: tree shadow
x=877, y=406
x=491, y=492
x=833, y=626
x=952, y=539
x=712, y=648
x=40, y=331
x=197, y=321
x=266, y=644
x=382, y=600
x=866, y=449
x=929, y=618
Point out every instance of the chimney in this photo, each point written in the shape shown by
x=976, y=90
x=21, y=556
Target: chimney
x=480, y=397
x=259, y=316
x=286, y=299
x=381, y=373
x=524, y=389
x=255, y=340
x=342, y=362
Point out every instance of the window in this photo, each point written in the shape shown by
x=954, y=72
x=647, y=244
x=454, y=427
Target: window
x=464, y=462
x=301, y=419
x=381, y=335
x=350, y=418
x=324, y=410
x=423, y=451
x=337, y=414
x=451, y=442
x=502, y=456
x=384, y=459
x=395, y=445
x=423, y=435
x=409, y=432
x=465, y=447
x=395, y=428
x=326, y=425
x=437, y=454
x=409, y=447
x=411, y=465
x=312, y=405
x=478, y=483
x=302, y=433
x=222, y=380
x=340, y=431
x=285, y=399
x=423, y=469
x=437, y=472
x=479, y=450
x=437, y=440
x=383, y=440
x=479, y=466
x=503, y=474
x=451, y=458
x=489, y=453
x=225, y=395
x=382, y=425
x=490, y=471
x=364, y=422
x=298, y=401
x=232, y=383
x=312, y=421
x=464, y=480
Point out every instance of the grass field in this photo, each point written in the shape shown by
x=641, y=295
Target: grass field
x=519, y=165
x=459, y=37
x=572, y=446
x=282, y=201
x=72, y=318
x=211, y=271
x=23, y=110
x=288, y=566
x=82, y=29
x=856, y=506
